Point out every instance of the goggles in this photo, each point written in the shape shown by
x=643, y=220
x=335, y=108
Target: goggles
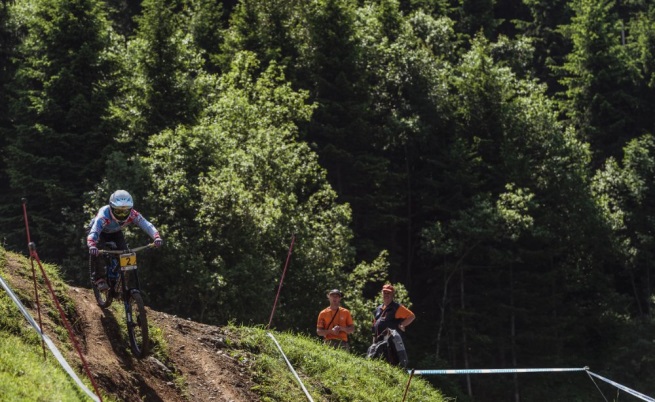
x=121, y=212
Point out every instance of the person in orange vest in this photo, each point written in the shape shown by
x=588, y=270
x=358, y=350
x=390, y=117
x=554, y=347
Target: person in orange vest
x=389, y=320
x=335, y=322
x=390, y=314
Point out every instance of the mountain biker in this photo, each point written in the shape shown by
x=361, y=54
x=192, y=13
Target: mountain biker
x=107, y=226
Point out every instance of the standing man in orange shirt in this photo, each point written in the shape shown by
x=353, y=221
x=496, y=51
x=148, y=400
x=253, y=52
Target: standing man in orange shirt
x=335, y=322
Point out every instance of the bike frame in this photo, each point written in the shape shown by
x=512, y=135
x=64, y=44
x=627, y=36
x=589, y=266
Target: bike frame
x=123, y=275
x=121, y=266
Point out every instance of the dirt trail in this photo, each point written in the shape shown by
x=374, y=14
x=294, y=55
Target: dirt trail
x=200, y=367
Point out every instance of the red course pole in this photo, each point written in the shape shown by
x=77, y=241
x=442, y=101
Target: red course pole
x=32, y=248
x=407, y=387
x=35, y=256
x=293, y=238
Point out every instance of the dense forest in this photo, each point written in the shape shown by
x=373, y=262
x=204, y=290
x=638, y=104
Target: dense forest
x=494, y=159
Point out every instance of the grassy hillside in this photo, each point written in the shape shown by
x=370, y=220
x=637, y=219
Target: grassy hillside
x=326, y=374
x=24, y=373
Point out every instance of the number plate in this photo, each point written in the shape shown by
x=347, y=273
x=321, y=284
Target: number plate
x=128, y=262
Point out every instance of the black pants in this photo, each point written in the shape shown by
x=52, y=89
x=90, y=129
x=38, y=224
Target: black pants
x=117, y=238
x=97, y=267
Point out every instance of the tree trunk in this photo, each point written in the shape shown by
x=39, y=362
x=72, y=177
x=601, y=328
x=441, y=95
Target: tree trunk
x=517, y=396
x=469, y=388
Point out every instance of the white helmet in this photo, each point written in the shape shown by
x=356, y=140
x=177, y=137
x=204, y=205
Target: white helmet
x=121, y=204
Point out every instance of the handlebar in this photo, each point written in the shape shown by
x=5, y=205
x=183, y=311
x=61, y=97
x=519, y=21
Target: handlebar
x=129, y=250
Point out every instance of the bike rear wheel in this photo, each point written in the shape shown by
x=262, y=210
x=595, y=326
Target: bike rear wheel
x=137, y=325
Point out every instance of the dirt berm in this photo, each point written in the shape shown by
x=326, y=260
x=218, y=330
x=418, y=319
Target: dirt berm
x=198, y=366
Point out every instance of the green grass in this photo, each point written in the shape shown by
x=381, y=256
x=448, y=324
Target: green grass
x=24, y=373
x=158, y=345
x=26, y=376
x=327, y=374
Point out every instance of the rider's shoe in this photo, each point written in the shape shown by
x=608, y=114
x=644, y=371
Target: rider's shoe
x=101, y=284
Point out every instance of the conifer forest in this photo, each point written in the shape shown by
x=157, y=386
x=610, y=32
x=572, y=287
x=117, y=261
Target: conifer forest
x=493, y=159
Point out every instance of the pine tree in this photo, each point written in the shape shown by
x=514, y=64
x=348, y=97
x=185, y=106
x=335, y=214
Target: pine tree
x=600, y=80
x=60, y=99
x=9, y=203
x=272, y=29
x=206, y=25
x=160, y=89
x=550, y=44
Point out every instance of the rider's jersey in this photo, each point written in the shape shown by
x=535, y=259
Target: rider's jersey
x=105, y=222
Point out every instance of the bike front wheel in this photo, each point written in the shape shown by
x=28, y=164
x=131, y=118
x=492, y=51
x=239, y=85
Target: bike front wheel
x=103, y=297
x=137, y=325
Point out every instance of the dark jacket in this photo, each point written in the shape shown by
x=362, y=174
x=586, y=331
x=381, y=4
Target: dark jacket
x=386, y=318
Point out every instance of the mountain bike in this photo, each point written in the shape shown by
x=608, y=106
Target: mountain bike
x=123, y=280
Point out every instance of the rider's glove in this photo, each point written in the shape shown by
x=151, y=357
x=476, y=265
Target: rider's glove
x=93, y=250
x=159, y=242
